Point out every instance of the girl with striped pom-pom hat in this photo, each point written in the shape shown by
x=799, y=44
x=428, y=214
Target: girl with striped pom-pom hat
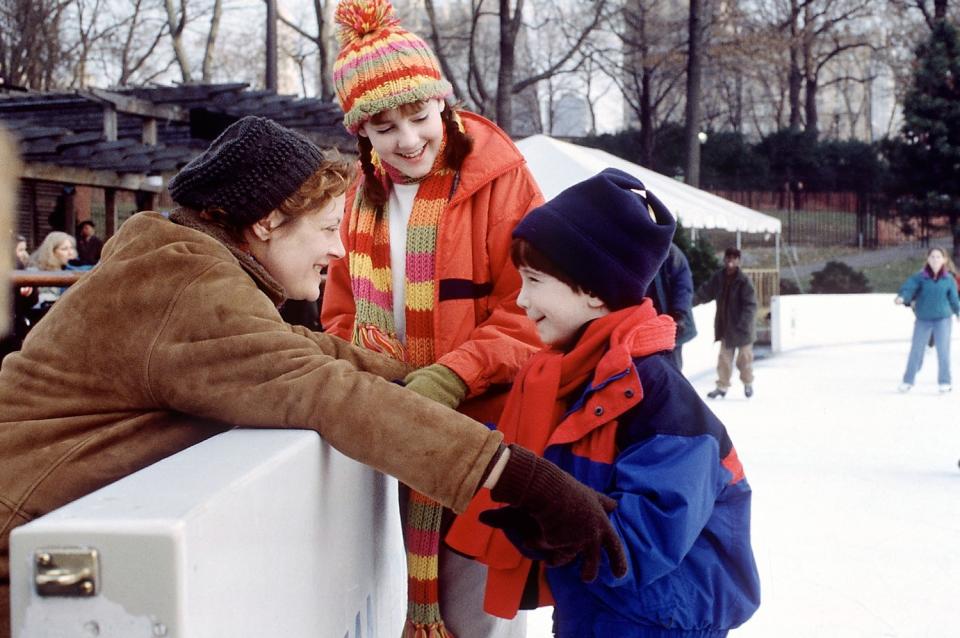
x=428, y=277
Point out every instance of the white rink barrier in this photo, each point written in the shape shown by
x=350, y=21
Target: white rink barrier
x=801, y=321
x=272, y=533
x=700, y=353
x=252, y=533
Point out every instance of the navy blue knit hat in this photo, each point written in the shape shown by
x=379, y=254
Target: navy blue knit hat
x=600, y=233
x=248, y=171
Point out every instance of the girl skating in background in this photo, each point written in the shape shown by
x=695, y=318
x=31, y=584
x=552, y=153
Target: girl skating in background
x=933, y=294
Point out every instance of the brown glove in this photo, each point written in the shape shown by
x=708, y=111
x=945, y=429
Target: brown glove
x=556, y=515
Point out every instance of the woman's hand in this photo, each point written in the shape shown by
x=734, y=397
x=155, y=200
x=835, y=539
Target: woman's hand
x=898, y=300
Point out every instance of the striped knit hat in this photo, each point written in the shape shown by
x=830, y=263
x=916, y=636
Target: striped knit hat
x=381, y=65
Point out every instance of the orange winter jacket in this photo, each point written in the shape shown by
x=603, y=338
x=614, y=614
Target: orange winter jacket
x=480, y=333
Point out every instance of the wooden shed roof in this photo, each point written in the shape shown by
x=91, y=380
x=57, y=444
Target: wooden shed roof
x=63, y=134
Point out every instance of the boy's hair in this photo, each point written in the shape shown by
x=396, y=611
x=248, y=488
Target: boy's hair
x=459, y=145
x=330, y=180
x=523, y=253
x=731, y=252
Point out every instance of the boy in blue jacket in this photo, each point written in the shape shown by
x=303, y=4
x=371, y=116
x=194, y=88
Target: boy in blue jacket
x=604, y=403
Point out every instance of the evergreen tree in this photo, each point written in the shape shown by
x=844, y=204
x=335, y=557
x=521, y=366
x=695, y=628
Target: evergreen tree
x=838, y=278
x=925, y=162
x=700, y=253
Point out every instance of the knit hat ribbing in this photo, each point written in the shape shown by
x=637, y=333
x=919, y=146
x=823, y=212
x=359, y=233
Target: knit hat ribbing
x=600, y=233
x=248, y=171
x=381, y=65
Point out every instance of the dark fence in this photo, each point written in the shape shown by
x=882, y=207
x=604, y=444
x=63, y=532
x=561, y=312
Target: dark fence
x=838, y=218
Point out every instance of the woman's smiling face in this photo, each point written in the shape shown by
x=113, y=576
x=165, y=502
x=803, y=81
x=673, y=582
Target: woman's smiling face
x=408, y=137
x=296, y=251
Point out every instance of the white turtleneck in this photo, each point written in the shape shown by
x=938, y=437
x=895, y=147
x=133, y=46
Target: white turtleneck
x=400, y=208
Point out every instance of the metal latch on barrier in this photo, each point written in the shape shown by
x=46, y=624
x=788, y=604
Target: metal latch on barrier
x=66, y=571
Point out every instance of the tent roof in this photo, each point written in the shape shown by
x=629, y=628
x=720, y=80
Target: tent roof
x=557, y=165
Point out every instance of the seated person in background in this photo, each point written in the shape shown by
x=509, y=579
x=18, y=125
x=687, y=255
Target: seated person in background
x=23, y=299
x=605, y=403
x=54, y=254
x=21, y=253
x=89, y=245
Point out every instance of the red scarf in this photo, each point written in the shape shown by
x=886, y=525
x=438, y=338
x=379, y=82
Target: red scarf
x=537, y=403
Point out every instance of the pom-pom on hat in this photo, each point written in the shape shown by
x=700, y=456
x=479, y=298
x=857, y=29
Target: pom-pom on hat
x=607, y=233
x=381, y=65
x=248, y=171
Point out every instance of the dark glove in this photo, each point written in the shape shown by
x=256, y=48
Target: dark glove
x=439, y=383
x=679, y=318
x=555, y=515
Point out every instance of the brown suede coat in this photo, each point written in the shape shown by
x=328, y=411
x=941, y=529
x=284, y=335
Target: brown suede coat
x=180, y=339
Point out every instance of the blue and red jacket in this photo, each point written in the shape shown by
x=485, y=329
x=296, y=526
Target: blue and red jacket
x=644, y=437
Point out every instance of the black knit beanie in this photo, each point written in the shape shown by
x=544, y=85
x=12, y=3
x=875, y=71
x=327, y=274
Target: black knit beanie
x=248, y=171
x=599, y=232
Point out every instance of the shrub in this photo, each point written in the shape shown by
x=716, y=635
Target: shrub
x=789, y=287
x=838, y=277
x=700, y=254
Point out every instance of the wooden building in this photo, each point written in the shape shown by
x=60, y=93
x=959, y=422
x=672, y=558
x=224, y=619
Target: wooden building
x=102, y=155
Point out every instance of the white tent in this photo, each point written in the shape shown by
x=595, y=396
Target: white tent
x=557, y=165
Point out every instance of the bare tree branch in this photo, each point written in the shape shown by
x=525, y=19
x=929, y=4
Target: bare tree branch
x=207, y=67
x=175, y=26
x=438, y=49
x=573, y=50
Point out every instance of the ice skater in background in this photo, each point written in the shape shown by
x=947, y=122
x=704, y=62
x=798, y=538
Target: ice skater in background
x=735, y=323
x=932, y=293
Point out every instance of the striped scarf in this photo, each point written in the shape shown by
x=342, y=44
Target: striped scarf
x=371, y=280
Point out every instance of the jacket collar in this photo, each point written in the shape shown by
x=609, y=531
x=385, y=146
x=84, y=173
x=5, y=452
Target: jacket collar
x=493, y=154
x=601, y=403
x=192, y=219
x=615, y=387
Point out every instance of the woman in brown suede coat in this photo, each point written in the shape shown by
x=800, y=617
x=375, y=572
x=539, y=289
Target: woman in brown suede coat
x=180, y=339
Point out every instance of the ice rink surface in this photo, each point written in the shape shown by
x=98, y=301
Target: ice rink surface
x=856, y=507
